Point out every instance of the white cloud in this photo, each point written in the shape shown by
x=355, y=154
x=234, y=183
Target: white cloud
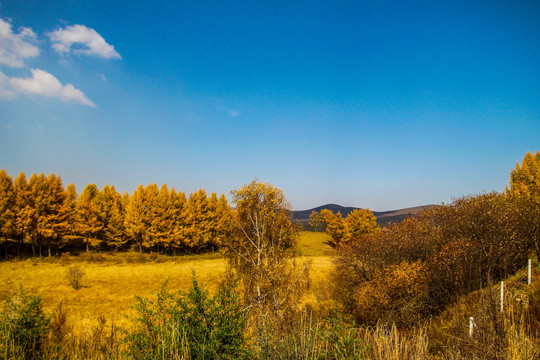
x=5, y=90
x=44, y=84
x=80, y=39
x=14, y=48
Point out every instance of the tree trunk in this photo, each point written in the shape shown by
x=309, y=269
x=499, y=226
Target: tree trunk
x=87, y=246
x=19, y=240
x=49, y=246
x=5, y=245
x=39, y=243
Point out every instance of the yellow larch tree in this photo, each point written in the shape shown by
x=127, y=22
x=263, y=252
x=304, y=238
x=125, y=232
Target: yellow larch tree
x=361, y=222
x=199, y=220
x=136, y=219
x=24, y=211
x=525, y=178
x=180, y=214
x=338, y=230
x=69, y=209
x=161, y=225
x=224, y=222
x=7, y=208
x=88, y=222
x=55, y=222
x=111, y=215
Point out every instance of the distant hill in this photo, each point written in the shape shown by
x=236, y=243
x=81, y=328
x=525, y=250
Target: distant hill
x=383, y=217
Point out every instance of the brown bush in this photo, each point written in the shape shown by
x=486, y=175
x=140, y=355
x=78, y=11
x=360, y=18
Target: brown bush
x=74, y=275
x=458, y=247
x=93, y=257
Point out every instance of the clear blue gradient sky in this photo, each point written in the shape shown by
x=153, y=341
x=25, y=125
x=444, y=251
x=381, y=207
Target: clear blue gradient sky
x=379, y=104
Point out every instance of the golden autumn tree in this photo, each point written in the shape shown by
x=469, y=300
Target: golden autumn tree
x=179, y=216
x=333, y=224
x=138, y=215
x=525, y=178
x=40, y=196
x=88, y=220
x=361, y=222
x=7, y=207
x=55, y=221
x=325, y=217
x=315, y=222
x=338, y=230
x=150, y=199
x=224, y=221
x=24, y=210
x=261, y=250
x=200, y=217
x=525, y=190
x=161, y=222
x=111, y=214
x=69, y=209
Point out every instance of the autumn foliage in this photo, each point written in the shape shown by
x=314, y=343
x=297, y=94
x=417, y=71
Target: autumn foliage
x=40, y=212
x=342, y=230
x=414, y=269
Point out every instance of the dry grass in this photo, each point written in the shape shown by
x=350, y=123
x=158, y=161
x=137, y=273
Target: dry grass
x=314, y=244
x=108, y=289
x=110, y=284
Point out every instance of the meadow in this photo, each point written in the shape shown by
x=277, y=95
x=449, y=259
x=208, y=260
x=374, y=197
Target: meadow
x=111, y=280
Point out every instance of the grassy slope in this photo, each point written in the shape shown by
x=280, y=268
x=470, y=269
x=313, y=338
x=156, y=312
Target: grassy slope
x=109, y=287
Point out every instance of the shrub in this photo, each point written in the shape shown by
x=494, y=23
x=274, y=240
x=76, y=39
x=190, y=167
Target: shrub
x=458, y=247
x=153, y=256
x=23, y=326
x=65, y=258
x=190, y=325
x=74, y=275
x=93, y=257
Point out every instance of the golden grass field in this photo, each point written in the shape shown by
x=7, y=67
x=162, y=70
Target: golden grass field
x=108, y=288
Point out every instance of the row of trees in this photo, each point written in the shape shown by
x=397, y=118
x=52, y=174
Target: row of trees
x=359, y=222
x=261, y=240
x=41, y=212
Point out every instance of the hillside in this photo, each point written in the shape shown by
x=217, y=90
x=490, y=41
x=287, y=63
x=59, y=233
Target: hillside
x=383, y=217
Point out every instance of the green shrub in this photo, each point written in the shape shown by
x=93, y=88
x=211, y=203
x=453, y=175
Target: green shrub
x=191, y=325
x=23, y=326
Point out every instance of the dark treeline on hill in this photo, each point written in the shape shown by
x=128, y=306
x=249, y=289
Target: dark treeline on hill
x=40, y=213
x=383, y=217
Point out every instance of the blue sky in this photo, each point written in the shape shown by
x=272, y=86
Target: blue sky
x=379, y=104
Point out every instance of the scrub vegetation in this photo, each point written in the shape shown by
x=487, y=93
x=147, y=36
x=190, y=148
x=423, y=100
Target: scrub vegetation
x=156, y=275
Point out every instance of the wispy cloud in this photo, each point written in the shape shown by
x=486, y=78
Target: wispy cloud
x=15, y=47
x=44, y=84
x=5, y=87
x=83, y=40
x=102, y=76
x=232, y=113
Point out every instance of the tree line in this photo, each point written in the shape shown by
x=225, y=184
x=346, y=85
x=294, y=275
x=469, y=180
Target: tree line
x=40, y=212
x=342, y=230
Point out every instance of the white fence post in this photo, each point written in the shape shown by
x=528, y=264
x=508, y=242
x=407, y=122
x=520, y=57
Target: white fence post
x=529, y=277
x=502, y=296
x=471, y=326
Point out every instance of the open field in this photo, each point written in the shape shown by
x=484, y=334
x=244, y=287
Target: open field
x=109, y=286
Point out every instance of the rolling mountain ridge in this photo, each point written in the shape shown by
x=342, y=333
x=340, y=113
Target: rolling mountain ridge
x=383, y=217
